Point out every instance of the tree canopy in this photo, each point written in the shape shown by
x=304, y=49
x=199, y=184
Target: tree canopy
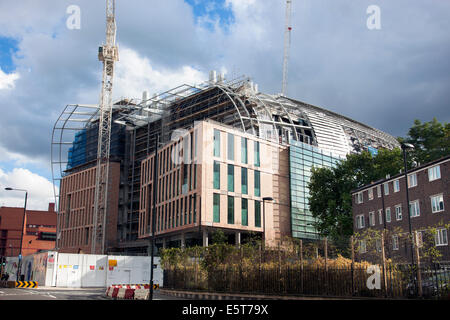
x=330, y=188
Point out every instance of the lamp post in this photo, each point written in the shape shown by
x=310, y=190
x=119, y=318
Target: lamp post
x=21, y=232
x=153, y=216
x=405, y=147
x=264, y=217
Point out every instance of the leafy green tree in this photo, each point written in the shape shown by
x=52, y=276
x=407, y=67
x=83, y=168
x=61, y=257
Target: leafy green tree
x=430, y=139
x=330, y=189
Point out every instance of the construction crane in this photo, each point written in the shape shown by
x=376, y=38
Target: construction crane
x=287, y=45
x=108, y=54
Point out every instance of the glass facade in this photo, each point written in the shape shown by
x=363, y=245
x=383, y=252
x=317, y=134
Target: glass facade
x=230, y=155
x=302, y=158
x=230, y=178
x=230, y=210
x=216, y=143
x=257, y=183
x=216, y=207
x=244, y=211
x=216, y=175
x=244, y=188
x=257, y=214
x=244, y=150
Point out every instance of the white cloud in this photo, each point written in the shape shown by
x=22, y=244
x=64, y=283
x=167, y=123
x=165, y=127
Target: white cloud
x=40, y=190
x=7, y=80
x=136, y=73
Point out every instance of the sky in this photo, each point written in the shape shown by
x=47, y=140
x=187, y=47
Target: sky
x=384, y=68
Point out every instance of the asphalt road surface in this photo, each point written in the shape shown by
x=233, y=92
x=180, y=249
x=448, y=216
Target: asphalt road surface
x=63, y=294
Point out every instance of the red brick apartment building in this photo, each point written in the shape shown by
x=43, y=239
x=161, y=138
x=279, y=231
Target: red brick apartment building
x=382, y=205
x=39, y=235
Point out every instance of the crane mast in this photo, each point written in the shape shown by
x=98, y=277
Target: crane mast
x=108, y=54
x=287, y=44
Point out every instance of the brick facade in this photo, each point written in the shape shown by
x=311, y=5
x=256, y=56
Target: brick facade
x=40, y=228
x=421, y=193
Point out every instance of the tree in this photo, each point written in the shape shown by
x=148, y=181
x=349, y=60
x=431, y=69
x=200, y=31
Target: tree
x=430, y=139
x=330, y=189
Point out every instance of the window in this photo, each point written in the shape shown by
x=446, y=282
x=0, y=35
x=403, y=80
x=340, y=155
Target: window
x=230, y=210
x=359, y=197
x=388, y=214
x=398, y=212
x=379, y=191
x=396, y=185
x=395, y=242
x=216, y=207
x=372, y=218
x=216, y=143
x=244, y=188
x=386, y=188
x=378, y=245
x=441, y=237
x=257, y=184
x=230, y=178
x=362, y=246
x=257, y=160
x=230, y=147
x=244, y=212
x=412, y=180
x=244, y=150
x=414, y=208
x=434, y=173
x=437, y=203
x=380, y=216
x=360, y=221
x=216, y=175
x=370, y=192
x=257, y=213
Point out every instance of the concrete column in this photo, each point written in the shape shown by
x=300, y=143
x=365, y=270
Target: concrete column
x=205, y=238
x=237, y=236
x=164, y=242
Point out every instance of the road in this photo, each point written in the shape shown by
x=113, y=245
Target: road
x=63, y=294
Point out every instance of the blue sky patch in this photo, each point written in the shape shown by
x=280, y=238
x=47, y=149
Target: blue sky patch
x=8, y=47
x=213, y=10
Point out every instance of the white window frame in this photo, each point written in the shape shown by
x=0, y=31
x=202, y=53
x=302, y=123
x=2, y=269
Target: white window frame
x=410, y=185
x=397, y=215
x=388, y=209
x=395, y=242
x=372, y=218
x=386, y=188
x=379, y=191
x=380, y=216
x=359, y=198
x=441, y=199
x=434, y=173
x=396, y=185
x=359, y=219
x=362, y=246
x=378, y=245
x=370, y=193
x=416, y=211
x=439, y=238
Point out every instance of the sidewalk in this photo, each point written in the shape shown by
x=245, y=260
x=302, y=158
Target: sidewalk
x=241, y=296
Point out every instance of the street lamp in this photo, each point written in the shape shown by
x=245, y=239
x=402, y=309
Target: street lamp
x=406, y=147
x=21, y=233
x=264, y=216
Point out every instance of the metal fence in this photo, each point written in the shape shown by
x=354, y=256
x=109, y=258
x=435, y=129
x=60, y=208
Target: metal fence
x=396, y=281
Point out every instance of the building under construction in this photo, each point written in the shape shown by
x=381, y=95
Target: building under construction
x=267, y=143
